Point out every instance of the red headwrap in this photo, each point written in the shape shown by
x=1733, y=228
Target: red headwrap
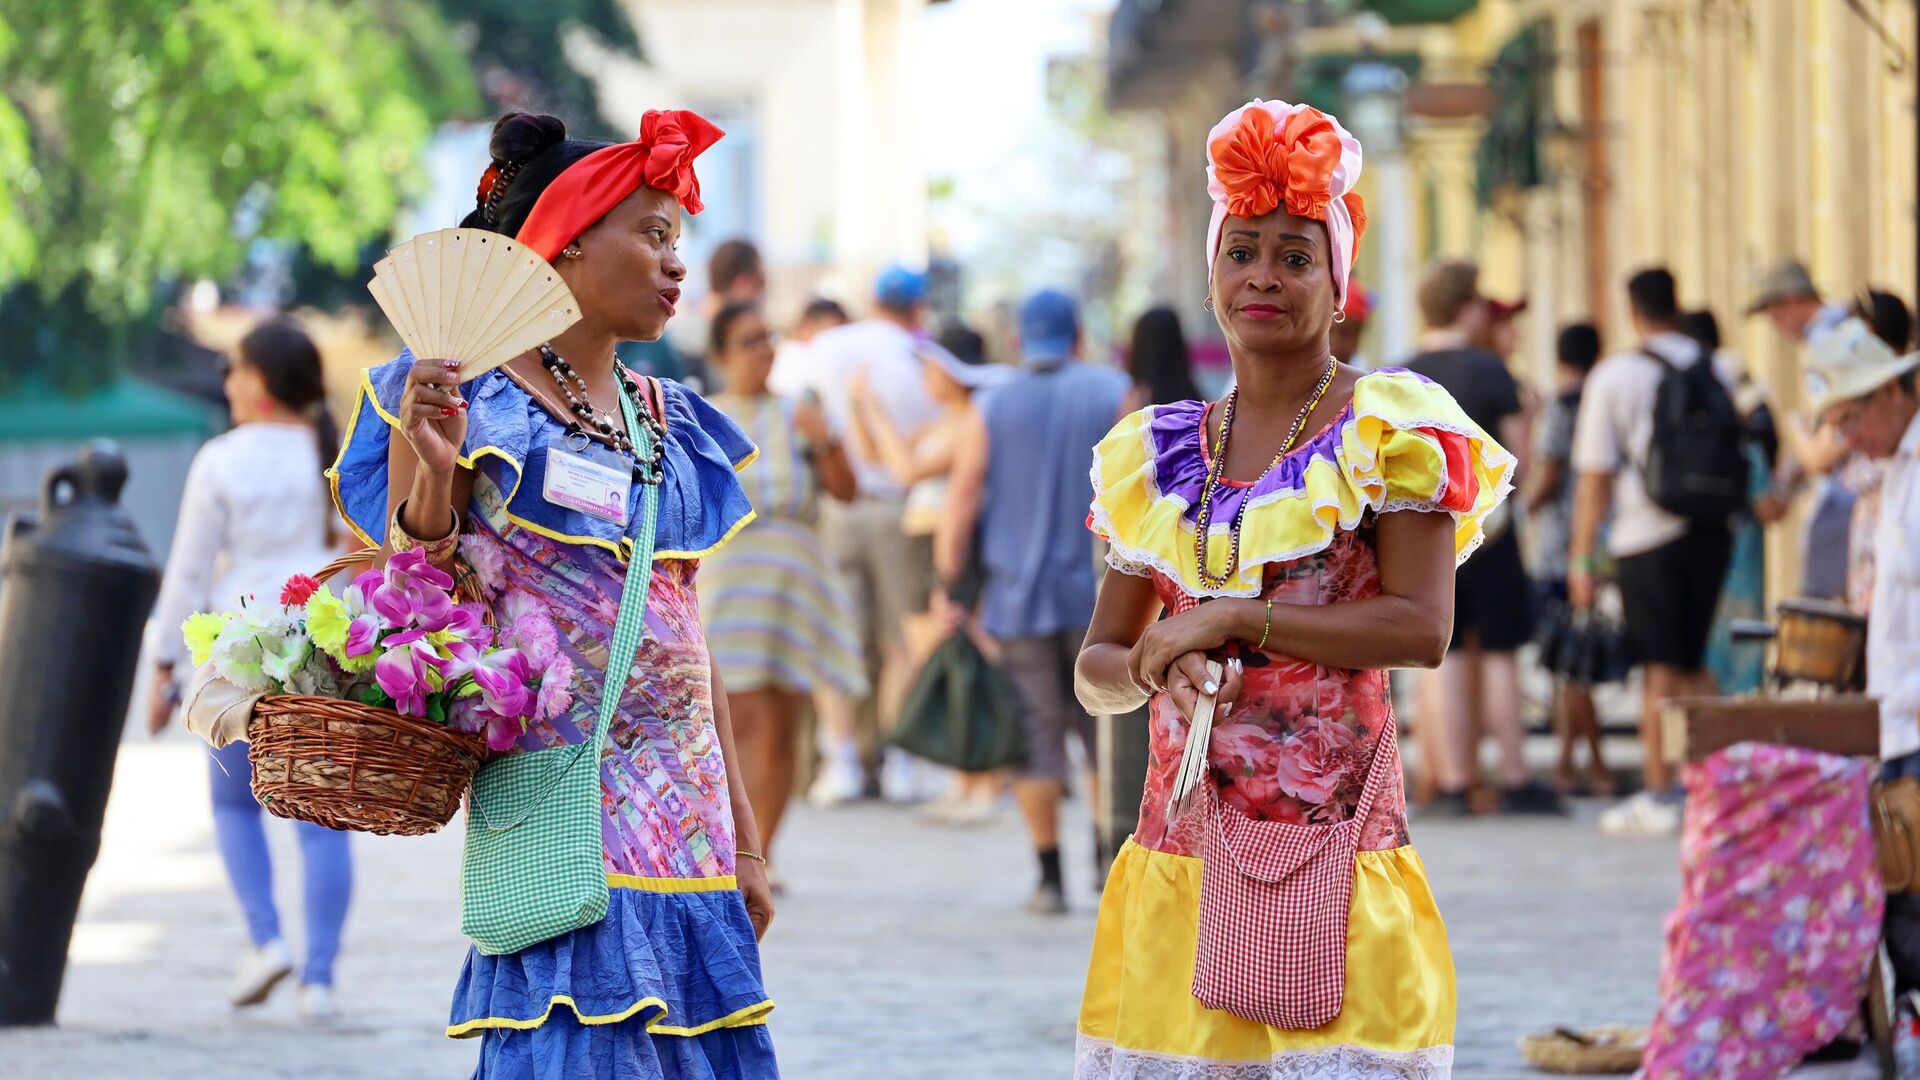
x=661, y=158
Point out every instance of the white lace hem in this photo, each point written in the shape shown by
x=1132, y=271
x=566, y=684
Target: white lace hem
x=1099, y=1059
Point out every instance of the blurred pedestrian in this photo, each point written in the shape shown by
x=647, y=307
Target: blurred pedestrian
x=776, y=620
x=1888, y=315
x=1344, y=340
x=664, y=979
x=1550, y=509
x=1740, y=669
x=1791, y=302
x=955, y=370
x=1477, y=689
x=735, y=275
x=1670, y=566
x=1334, y=962
x=1159, y=360
x=1020, y=490
x=864, y=538
x=790, y=358
x=255, y=512
x=1866, y=394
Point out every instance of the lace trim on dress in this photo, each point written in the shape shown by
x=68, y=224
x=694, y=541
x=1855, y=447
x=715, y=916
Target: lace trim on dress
x=1099, y=1059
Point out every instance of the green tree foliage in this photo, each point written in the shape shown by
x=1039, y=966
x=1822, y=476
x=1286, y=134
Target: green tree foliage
x=146, y=139
x=519, y=49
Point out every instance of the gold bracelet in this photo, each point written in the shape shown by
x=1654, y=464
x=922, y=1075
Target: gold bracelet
x=1268, y=632
x=761, y=859
x=439, y=552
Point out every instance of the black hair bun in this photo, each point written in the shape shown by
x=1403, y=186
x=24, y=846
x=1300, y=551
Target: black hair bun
x=519, y=137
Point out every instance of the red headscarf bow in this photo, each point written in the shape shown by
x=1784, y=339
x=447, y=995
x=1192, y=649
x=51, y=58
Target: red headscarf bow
x=661, y=158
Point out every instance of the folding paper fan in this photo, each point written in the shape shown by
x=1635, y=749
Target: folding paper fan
x=471, y=295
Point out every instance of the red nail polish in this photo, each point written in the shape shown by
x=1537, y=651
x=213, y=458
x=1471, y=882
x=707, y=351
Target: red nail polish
x=448, y=411
x=462, y=406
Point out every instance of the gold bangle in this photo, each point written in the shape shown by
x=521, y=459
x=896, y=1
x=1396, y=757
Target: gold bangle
x=1268, y=631
x=761, y=859
x=439, y=552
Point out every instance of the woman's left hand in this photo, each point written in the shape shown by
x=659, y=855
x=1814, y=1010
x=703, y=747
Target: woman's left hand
x=752, y=876
x=1197, y=630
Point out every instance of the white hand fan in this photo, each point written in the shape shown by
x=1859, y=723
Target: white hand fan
x=1193, y=761
x=471, y=295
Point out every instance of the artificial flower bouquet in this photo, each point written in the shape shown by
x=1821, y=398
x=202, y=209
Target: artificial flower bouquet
x=348, y=695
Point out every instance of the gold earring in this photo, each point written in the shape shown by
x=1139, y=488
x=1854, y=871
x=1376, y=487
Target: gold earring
x=571, y=251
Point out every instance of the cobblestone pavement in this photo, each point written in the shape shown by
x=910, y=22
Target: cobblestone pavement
x=901, y=950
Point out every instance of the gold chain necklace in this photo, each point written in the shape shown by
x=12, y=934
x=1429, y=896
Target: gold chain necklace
x=1204, y=520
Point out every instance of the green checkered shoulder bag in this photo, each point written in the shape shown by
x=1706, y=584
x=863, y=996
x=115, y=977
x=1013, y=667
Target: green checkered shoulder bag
x=533, y=869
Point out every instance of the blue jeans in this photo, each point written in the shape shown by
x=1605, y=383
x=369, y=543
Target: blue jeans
x=1902, y=926
x=243, y=847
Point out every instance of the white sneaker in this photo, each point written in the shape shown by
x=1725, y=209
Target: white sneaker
x=316, y=1004
x=259, y=973
x=1642, y=815
x=900, y=779
x=838, y=782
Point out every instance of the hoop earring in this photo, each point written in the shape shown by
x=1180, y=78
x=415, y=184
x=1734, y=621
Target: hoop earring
x=571, y=251
x=1339, y=316
x=1209, y=303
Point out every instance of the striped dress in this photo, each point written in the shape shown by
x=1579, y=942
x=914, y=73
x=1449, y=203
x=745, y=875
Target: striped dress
x=776, y=618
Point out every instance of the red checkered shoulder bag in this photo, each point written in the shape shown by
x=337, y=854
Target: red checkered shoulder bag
x=1274, y=900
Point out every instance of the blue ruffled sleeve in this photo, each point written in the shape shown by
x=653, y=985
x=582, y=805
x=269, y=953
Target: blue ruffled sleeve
x=508, y=434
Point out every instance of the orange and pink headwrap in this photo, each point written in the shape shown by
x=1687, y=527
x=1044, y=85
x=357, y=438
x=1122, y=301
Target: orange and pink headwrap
x=661, y=158
x=1269, y=153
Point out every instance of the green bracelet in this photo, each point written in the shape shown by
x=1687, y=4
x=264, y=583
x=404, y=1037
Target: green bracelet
x=1268, y=631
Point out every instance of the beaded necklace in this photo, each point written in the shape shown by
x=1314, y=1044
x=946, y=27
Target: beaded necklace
x=573, y=387
x=1205, y=517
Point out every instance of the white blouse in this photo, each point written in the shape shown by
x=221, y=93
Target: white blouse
x=254, y=514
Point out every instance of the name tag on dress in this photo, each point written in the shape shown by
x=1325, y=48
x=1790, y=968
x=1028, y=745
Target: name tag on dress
x=590, y=479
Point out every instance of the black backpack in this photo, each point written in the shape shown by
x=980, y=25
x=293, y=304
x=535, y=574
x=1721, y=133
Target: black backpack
x=1696, y=463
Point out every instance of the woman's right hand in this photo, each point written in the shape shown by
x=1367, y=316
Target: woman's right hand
x=433, y=415
x=162, y=699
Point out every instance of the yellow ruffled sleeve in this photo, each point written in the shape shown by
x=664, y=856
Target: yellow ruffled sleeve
x=1403, y=444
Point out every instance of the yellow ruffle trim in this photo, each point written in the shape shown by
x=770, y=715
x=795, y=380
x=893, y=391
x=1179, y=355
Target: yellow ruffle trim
x=1383, y=462
x=1399, y=997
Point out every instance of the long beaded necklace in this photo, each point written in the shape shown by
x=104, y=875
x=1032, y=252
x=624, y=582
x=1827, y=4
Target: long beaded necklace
x=1205, y=518
x=573, y=387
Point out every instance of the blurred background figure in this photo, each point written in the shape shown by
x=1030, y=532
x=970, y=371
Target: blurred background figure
x=955, y=369
x=777, y=622
x=1159, y=360
x=1737, y=668
x=1549, y=500
x=1888, y=316
x=864, y=541
x=1477, y=688
x=1020, y=490
x=256, y=512
x=1344, y=339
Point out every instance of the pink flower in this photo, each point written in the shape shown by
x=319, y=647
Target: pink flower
x=1309, y=759
x=298, y=589
x=413, y=593
x=556, y=693
x=409, y=670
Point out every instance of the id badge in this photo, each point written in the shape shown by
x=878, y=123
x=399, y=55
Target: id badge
x=589, y=478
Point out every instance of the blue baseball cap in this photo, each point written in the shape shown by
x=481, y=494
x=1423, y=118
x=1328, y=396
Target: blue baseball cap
x=900, y=287
x=1049, y=326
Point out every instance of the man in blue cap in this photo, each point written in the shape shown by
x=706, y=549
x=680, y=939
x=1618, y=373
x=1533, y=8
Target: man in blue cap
x=863, y=538
x=1020, y=490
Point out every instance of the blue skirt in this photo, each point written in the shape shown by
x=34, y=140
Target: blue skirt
x=667, y=985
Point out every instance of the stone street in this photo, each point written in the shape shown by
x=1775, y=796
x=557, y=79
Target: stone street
x=901, y=950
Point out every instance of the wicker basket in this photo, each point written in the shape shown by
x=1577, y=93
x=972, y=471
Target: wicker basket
x=351, y=766
x=1592, y=1052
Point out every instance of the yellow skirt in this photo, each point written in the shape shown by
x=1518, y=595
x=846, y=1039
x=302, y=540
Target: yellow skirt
x=1139, y=1018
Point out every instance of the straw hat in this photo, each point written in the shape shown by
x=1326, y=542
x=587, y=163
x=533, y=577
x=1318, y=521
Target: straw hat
x=1850, y=362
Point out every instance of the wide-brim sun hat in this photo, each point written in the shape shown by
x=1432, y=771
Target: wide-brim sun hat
x=972, y=375
x=1850, y=362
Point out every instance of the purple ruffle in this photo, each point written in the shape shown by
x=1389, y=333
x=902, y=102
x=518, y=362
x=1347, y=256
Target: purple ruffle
x=1177, y=431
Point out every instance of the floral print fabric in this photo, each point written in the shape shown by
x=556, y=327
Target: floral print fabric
x=1298, y=742
x=1779, y=914
x=664, y=805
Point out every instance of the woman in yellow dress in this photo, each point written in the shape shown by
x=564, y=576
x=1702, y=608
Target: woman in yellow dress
x=1280, y=926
